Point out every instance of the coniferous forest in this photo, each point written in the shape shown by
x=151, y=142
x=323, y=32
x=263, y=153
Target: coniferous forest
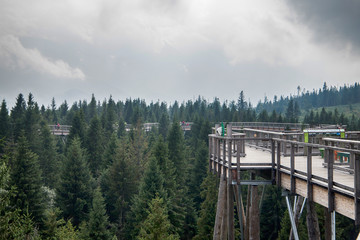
x=110, y=179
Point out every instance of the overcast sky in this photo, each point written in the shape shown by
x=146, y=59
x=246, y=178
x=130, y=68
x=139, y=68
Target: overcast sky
x=175, y=49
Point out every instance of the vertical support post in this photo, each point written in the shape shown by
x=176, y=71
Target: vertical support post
x=326, y=153
x=224, y=158
x=333, y=225
x=278, y=164
x=273, y=161
x=220, y=210
x=331, y=202
x=292, y=168
x=238, y=177
x=230, y=178
x=292, y=220
x=352, y=157
x=230, y=208
x=309, y=175
x=218, y=153
x=357, y=189
x=211, y=155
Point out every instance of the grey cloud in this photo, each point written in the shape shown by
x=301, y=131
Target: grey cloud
x=15, y=55
x=333, y=21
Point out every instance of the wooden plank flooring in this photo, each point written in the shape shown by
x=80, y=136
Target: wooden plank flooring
x=259, y=156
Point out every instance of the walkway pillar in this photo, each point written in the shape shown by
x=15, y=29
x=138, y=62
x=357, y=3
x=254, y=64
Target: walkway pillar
x=220, y=210
x=254, y=218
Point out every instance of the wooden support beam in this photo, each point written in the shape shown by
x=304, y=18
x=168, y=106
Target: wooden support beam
x=357, y=189
x=312, y=221
x=278, y=156
x=218, y=153
x=229, y=157
x=273, y=150
x=211, y=155
x=292, y=220
x=224, y=224
x=220, y=209
x=327, y=226
x=230, y=210
x=224, y=158
x=331, y=201
x=238, y=177
x=240, y=209
x=292, y=168
x=310, y=193
x=254, y=216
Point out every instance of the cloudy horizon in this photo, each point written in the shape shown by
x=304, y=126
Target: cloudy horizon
x=171, y=50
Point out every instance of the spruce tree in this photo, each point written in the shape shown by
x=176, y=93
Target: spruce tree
x=94, y=146
x=26, y=177
x=152, y=185
x=164, y=124
x=74, y=191
x=198, y=173
x=121, y=132
x=174, y=192
x=97, y=227
x=32, y=118
x=176, y=151
x=206, y=219
x=48, y=158
x=119, y=185
x=157, y=225
x=110, y=151
x=18, y=116
x=14, y=224
x=78, y=128
x=4, y=121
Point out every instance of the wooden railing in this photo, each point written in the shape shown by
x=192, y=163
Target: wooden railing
x=62, y=130
x=226, y=153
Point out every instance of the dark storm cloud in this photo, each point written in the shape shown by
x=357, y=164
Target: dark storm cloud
x=333, y=21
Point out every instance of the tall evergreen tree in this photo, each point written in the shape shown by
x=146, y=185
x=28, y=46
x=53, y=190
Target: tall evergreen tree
x=94, y=146
x=92, y=109
x=74, y=191
x=176, y=151
x=198, y=173
x=157, y=225
x=121, y=132
x=78, y=127
x=13, y=223
x=98, y=223
x=164, y=124
x=18, y=116
x=110, y=151
x=26, y=177
x=48, y=158
x=32, y=119
x=152, y=185
x=206, y=219
x=4, y=121
x=119, y=184
x=175, y=192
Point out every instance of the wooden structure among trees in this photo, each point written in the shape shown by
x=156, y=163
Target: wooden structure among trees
x=60, y=130
x=292, y=165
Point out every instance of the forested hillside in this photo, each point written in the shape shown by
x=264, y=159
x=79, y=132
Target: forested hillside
x=103, y=182
x=306, y=100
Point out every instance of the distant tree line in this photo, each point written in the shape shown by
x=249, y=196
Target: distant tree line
x=322, y=97
x=104, y=182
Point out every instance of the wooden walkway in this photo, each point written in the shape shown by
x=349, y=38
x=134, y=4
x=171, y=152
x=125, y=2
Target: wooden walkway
x=320, y=180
